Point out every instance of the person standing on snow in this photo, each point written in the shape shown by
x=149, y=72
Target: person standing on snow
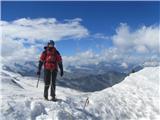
x=51, y=59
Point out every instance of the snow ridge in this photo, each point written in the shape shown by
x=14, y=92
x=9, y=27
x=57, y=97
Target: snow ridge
x=135, y=98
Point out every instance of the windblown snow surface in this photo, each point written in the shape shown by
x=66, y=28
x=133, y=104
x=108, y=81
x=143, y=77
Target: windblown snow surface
x=135, y=98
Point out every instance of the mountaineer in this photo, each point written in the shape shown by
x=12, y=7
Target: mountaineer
x=51, y=59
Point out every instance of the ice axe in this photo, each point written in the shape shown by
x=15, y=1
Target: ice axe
x=38, y=81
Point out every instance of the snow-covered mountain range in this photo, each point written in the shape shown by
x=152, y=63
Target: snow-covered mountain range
x=99, y=76
x=29, y=68
x=134, y=98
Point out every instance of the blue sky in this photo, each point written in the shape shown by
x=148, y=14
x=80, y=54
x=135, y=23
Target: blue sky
x=101, y=19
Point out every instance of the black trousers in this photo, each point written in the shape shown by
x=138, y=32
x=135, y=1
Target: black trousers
x=50, y=80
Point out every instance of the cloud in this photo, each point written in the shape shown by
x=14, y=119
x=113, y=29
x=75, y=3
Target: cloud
x=127, y=43
x=143, y=40
x=83, y=58
x=16, y=34
x=140, y=46
x=14, y=51
x=124, y=65
x=110, y=56
x=101, y=36
x=43, y=29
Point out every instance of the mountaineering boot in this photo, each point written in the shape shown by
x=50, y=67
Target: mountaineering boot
x=45, y=98
x=53, y=99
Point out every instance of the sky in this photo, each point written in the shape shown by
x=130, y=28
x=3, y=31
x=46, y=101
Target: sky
x=95, y=31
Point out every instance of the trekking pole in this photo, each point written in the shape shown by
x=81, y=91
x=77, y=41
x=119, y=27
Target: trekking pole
x=86, y=103
x=38, y=81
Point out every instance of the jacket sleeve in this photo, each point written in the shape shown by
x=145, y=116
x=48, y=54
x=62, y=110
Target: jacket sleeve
x=41, y=61
x=59, y=60
x=58, y=57
x=43, y=56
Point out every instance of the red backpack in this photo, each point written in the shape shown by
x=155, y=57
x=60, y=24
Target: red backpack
x=50, y=59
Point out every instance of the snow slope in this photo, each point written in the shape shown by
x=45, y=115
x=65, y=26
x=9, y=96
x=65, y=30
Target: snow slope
x=135, y=98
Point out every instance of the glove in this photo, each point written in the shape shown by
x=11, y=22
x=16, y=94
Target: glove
x=61, y=73
x=61, y=68
x=38, y=72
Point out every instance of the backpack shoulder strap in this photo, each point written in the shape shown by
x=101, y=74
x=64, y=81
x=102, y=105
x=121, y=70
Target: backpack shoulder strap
x=57, y=52
x=45, y=52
